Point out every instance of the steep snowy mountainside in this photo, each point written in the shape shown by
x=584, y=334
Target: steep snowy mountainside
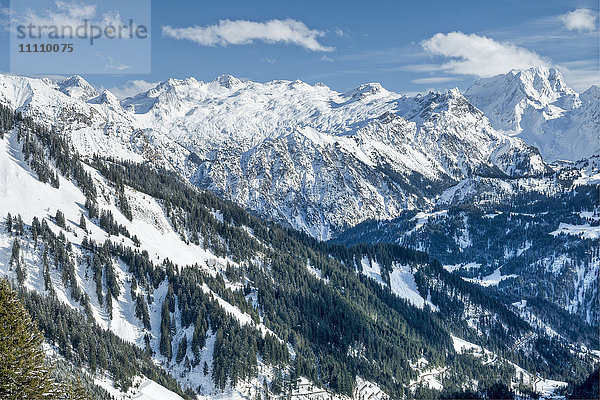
x=443, y=134
x=317, y=186
x=591, y=95
x=537, y=106
x=95, y=122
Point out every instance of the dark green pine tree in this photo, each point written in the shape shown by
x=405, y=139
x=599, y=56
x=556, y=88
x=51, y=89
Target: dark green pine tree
x=47, y=277
x=15, y=256
x=82, y=223
x=19, y=227
x=165, y=347
x=182, y=349
x=24, y=373
x=60, y=219
x=17, y=262
x=109, y=305
x=141, y=311
x=9, y=223
x=35, y=229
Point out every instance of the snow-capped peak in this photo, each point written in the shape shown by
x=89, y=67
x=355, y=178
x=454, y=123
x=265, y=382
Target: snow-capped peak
x=77, y=87
x=504, y=98
x=228, y=81
x=170, y=85
x=542, y=109
x=366, y=90
x=544, y=85
x=169, y=92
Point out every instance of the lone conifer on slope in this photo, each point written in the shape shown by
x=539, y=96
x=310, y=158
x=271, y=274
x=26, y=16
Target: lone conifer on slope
x=24, y=373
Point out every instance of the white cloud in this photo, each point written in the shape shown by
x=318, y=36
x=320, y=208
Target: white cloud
x=113, y=63
x=326, y=59
x=244, y=32
x=113, y=19
x=77, y=10
x=424, y=67
x=479, y=55
x=64, y=14
x=580, y=20
x=132, y=88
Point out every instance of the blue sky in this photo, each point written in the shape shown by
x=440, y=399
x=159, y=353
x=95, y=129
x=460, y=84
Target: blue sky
x=407, y=46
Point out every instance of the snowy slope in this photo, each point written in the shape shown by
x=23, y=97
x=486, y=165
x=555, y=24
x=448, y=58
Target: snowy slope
x=402, y=282
x=143, y=389
x=21, y=193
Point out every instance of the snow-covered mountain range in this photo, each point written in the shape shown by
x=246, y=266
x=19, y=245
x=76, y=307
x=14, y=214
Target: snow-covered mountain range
x=319, y=160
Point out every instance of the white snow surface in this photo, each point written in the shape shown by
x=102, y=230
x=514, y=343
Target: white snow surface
x=150, y=390
x=142, y=389
x=402, y=282
x=492, y=279
x=585, y=231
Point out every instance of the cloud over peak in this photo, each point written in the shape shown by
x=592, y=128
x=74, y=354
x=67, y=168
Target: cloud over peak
x=479, y=55
x=227, y=32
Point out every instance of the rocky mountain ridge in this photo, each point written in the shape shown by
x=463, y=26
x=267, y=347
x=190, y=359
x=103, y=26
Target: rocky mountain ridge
x=377, y=150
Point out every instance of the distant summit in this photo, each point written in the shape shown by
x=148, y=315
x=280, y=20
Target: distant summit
x=538, y=106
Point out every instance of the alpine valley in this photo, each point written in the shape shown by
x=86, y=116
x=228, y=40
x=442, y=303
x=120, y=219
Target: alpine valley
x=234, y=239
